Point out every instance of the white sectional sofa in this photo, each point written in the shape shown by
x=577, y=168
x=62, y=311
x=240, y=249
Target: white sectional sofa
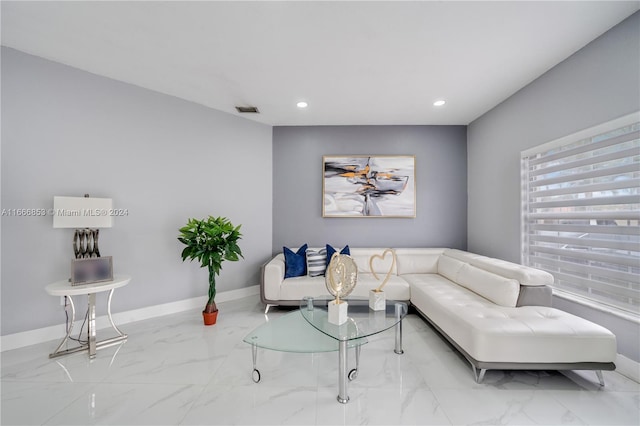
x=497, y=314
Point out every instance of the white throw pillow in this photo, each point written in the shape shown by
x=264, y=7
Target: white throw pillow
x=316, y=262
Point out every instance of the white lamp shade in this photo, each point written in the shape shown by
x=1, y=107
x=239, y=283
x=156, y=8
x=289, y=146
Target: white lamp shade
x=82, y=212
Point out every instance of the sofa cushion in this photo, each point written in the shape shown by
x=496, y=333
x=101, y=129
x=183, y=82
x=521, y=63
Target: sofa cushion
x=316, y=262
x=395, y=289
x=362, y=257
x=298, y=287
x=501, y=291
x=492, y=333
x=295, y=264
x=417, y=260
x=523, y=274
x=449, y=267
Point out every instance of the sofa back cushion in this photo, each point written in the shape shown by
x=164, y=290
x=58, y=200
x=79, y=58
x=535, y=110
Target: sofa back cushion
x=523, y=274
x=380, y=266
x=418, y=260
x=449, y=267
x=500, y=290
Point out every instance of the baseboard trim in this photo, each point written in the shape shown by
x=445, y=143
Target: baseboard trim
x=40, y=335
x=628, y=368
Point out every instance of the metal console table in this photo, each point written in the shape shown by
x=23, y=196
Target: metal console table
x=64, y=288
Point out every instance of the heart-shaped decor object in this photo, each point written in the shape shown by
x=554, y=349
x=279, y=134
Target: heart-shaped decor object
x=382, y=257
x=341, y=275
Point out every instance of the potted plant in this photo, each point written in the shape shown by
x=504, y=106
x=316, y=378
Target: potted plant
x=210, y=241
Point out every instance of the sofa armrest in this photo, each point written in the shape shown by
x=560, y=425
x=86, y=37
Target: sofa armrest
x=534, y=296
x=272, y=278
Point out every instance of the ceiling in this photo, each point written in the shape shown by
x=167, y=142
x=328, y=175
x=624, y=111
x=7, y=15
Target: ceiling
x=353, y=62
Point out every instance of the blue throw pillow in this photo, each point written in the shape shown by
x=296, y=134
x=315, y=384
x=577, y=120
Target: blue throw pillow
x=295, y=264
x=331, y=250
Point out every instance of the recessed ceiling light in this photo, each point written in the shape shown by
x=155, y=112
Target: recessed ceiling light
x=302, y=104
x=439, y=102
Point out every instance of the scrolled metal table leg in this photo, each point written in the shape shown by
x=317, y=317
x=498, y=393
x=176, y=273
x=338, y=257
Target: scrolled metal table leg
x=110, y=317
x=69, y=329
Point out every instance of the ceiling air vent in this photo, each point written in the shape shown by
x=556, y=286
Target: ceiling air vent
x=247, y=109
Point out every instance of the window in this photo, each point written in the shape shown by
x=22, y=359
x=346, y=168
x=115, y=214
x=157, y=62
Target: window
x=581, y=213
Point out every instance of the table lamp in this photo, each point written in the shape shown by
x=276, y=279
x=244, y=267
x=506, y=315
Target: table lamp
x=86, y=215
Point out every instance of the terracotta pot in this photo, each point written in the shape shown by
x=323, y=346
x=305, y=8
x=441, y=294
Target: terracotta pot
x=210, y=317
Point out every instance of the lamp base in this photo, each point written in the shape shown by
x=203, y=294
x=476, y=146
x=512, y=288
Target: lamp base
x=85, y=243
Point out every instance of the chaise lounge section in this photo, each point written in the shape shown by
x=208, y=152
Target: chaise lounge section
x=497, y=314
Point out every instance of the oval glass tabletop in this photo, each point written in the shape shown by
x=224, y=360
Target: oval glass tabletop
x=292, y=333
x=361, y=320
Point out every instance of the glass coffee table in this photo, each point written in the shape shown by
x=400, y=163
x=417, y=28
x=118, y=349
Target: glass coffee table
x=361, y=323
x=292, y=333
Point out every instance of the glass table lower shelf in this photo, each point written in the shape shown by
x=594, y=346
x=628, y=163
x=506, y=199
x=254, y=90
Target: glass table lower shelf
x=292, y=333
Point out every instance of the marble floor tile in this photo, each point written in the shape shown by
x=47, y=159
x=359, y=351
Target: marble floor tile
x=126, y=404
x=174, y=371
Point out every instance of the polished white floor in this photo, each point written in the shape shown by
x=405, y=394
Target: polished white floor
x=174, y=371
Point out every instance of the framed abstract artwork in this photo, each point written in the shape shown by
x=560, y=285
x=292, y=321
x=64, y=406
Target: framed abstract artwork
x=369, y=186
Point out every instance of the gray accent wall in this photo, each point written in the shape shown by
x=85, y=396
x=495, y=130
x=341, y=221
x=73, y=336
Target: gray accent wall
x=163, y=159
x=598, y=83
x=441, y=186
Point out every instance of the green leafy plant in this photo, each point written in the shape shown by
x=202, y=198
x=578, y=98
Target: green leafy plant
x=211, y=241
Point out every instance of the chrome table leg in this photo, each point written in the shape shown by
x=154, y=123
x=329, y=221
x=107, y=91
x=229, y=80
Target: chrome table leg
x=399, y=311
x=255, y=373
x=91, y=325
x=343, y=398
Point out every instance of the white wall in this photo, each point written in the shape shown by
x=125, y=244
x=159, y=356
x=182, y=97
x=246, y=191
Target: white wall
x=69, y=132
x=596, y=84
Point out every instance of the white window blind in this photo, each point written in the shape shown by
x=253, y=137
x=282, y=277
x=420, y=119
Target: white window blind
x=581, y=213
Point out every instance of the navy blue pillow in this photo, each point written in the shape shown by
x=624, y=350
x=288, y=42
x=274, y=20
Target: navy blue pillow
x=331, y=250
x=295, y=264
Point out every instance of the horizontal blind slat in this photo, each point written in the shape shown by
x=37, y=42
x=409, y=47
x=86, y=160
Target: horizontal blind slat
x=587, y=242
x=556, y=264
x=590, y=161
x=594, y=229
x=630, y=184
x=539, y=158
x=594, y=201
x=618, y=170
x=599, y=285
x=603, y=215
x=614, y=260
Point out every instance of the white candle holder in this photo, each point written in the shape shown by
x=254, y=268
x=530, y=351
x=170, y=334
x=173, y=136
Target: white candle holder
x=377, y=301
